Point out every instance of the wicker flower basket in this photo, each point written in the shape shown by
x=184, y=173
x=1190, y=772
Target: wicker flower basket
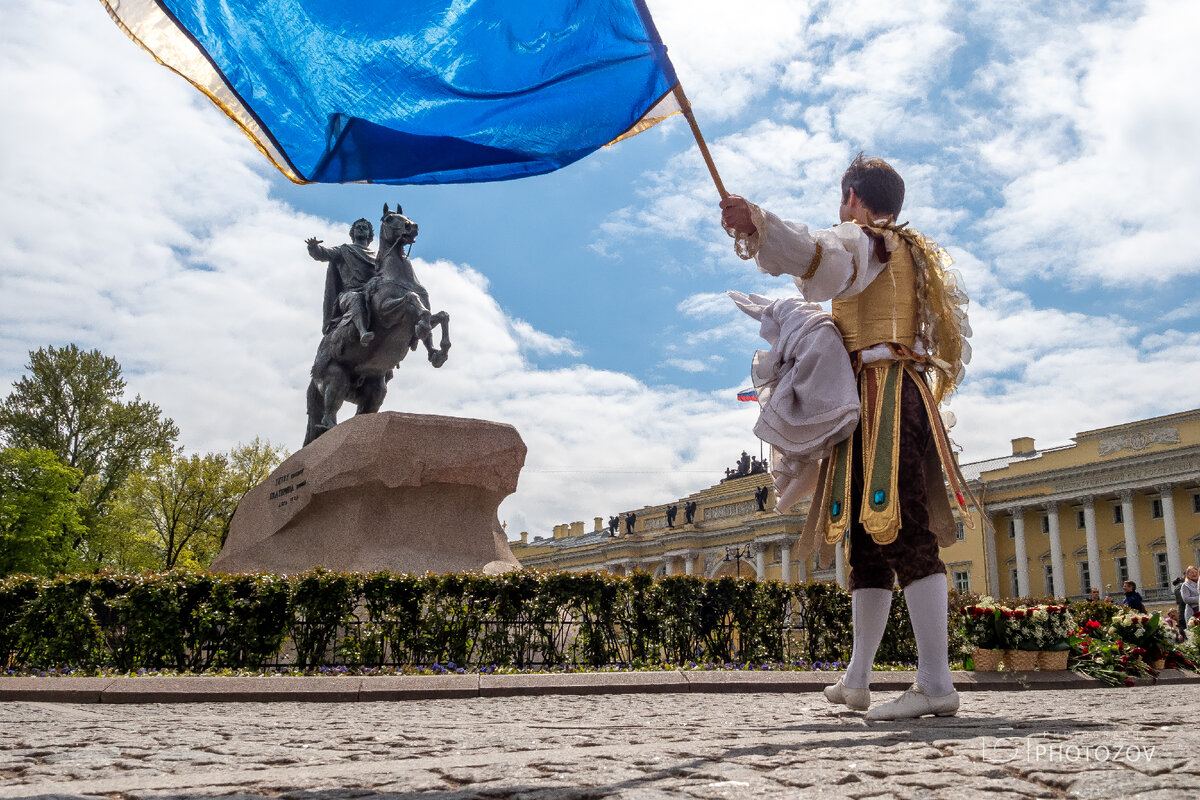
x=986, y=660
x=1021, y=660
x=1052, y=660
x=1160, y=664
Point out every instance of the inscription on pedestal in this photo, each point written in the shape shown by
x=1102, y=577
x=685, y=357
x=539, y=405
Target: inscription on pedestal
x=288, y=488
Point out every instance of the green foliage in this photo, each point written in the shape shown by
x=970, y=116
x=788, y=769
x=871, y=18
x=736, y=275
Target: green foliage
x=71, y=403
x=16, y=595
x=322, y=602
x=183, y=504
x=899, y=645
x=250, y=615
x=192, y=621
x=827, y=610
x=39, y=512
x=58, y=626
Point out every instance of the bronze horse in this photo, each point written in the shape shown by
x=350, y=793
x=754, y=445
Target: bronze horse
x=344, y=369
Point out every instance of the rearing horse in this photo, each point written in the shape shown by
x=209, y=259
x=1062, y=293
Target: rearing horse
x=344, y=369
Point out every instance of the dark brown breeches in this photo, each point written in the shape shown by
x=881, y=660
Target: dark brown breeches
x=914, y=553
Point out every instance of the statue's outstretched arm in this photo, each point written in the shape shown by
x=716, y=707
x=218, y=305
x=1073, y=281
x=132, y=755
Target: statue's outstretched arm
x=317, y=251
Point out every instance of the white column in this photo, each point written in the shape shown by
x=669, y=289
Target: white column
x=1018, y=520
x=1056, y=553
x=989, y=543
x=802, y=570
x=760, y=559
x=1132, y=557
x=668, y=566
x=1174, y=562
x=689, y=563
x=1093, y=543
x=785, y=561
x=839, y=563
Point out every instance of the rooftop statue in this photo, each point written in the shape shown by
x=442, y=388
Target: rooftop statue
x=375, y=311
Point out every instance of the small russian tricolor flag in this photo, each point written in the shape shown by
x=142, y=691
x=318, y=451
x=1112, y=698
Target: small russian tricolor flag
x=748, y=395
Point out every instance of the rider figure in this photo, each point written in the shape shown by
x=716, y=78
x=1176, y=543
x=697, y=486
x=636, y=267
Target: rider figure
x=350, y=267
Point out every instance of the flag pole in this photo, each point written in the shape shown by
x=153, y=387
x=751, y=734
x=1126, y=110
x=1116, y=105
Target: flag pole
x=686, y=108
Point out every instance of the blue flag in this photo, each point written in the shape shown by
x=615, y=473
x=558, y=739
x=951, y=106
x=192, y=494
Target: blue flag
x=418, y=91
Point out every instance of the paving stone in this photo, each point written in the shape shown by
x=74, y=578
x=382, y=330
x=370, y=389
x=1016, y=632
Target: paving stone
x=692, y=745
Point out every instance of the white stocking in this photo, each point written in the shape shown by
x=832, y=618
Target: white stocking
x=927, y=601
x=870, y=608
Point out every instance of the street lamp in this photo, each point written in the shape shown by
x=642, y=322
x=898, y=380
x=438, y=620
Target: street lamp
x=737, y=554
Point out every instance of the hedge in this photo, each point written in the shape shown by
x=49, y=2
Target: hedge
x=197, y=622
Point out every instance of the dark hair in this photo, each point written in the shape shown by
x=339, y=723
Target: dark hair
x=1134, y=585
x=370, y=227
x=880, y=187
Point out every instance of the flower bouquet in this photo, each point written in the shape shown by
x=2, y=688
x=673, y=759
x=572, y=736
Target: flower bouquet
x=980, y=625
x=1107, y=660
x=1028, y=632
x=1145, y=632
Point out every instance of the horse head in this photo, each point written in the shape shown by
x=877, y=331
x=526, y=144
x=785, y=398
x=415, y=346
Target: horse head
x=395, y=229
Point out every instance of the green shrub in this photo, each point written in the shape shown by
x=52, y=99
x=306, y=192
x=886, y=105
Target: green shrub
x=195, y=622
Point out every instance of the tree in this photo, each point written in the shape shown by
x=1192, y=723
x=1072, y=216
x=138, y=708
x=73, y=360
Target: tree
x=39, y=512
x=181, y=500
x=177, y=511
x=71, y=403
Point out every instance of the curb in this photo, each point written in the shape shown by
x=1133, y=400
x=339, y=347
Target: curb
x=399, y=688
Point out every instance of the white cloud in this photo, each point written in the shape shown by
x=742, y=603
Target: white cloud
x=1095, y=149
x=690, y=364
x=726, y=57
x=543, y=343
x=1050, y=374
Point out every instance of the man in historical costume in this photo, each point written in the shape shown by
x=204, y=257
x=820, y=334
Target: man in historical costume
x=350, y=267
x=881, y=492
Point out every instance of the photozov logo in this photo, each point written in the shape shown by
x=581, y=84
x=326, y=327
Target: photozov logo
x=1062, y=748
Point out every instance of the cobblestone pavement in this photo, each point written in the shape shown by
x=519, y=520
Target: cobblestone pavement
x=1140, y=742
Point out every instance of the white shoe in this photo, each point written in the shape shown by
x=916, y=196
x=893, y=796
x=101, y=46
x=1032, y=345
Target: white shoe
x=854, y=699
x=915, y=703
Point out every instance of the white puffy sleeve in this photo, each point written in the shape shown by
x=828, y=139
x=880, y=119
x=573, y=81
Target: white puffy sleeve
x=826, y=263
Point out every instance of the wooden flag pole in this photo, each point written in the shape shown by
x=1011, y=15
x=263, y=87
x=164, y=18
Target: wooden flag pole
x=686, y=108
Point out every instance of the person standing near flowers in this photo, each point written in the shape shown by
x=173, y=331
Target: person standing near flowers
x=1189, y=593
x=882, y=491
x=1133, y=597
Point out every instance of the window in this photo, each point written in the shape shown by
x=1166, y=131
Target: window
x=1012, y=577
x=1080, y=520
x=960, y=533
x=1046, y=523
x=1048, y=574
x=1196, y=503
x=1156, y=508
x=1012, y=528
x=1122, y=569
x=1162, y=574
x=1118, y=515
x=1085, y=577
x=962, y=580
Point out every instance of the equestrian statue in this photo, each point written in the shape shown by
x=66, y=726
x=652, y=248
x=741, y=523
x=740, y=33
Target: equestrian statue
x=375, y=311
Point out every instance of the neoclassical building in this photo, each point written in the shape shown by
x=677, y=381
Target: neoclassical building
x=1115, y=503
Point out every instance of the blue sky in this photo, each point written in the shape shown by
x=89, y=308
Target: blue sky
x=1051, y=149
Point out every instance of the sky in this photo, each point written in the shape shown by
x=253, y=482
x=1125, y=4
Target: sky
x=1051, y=148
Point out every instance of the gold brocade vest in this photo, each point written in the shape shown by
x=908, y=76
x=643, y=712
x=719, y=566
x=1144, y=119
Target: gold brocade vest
x=886, y=311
